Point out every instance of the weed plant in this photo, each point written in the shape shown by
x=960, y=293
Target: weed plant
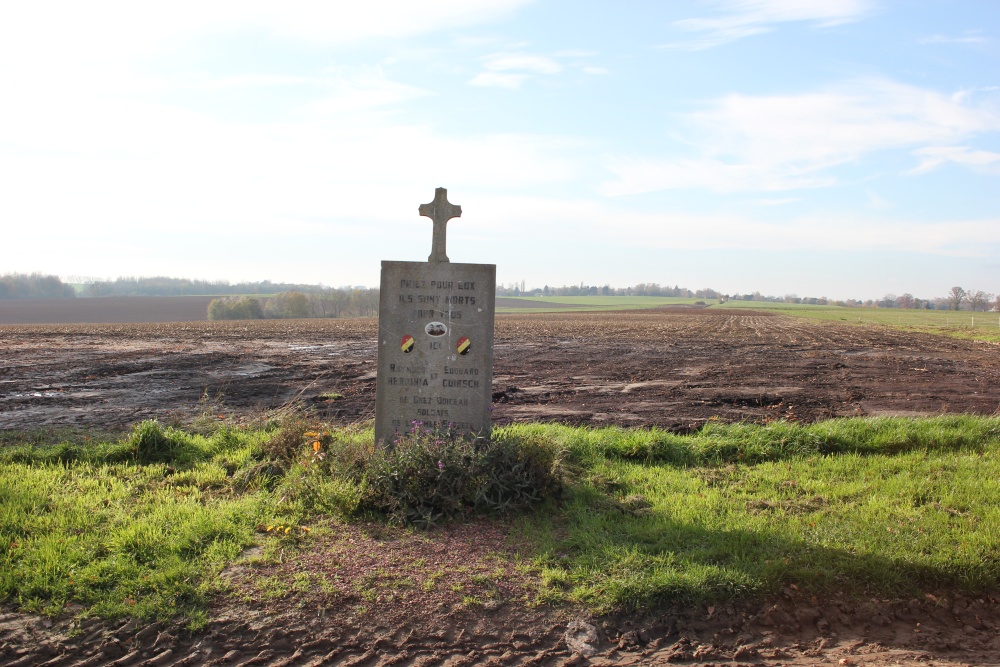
x=427, y=477
x=423, y=479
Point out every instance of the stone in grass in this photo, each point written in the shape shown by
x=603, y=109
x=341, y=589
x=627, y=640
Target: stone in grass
x=581, y=638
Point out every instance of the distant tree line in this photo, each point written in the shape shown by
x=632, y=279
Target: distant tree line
x=642, y=289
x=957, y=299
x=162, y=286
x=343, y=302
x=295, y=300
x=34, y=286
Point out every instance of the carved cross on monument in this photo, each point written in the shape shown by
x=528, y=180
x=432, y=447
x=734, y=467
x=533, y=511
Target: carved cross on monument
x=440, y=211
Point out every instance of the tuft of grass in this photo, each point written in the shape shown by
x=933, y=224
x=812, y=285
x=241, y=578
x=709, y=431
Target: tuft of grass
x=149, y=442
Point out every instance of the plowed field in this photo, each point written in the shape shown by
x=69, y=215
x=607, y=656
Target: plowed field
x=673, y=368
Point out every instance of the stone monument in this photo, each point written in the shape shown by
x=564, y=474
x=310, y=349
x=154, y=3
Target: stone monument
x=435, y=340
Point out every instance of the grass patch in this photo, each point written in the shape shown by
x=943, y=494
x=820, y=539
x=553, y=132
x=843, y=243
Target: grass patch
x=891, y=507
x=141, y=526
x=128, y=528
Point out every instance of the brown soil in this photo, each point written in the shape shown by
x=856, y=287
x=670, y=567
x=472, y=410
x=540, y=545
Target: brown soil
x=674, y=368
x=369, y=595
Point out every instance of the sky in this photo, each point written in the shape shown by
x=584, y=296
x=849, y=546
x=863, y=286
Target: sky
x=839, y=148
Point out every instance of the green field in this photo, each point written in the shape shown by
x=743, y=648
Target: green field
x=959, y=324
x=887, y=507
x=540, y=304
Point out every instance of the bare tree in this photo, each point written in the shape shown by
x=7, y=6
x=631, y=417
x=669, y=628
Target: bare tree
x=905, y=301
x=955, y=298
x=888, y=301
x=978, y=299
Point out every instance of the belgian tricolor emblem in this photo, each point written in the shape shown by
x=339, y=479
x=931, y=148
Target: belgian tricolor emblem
x=406, y=345
x=464, y=345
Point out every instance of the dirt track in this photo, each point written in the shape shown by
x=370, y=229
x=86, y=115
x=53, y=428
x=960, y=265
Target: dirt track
x=670, y=368
x=385, y=622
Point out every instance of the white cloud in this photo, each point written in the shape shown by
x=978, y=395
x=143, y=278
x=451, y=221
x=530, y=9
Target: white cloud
x=112, y=24
x=522, y=62
x=164, y=168
x=964, y=96
x=550, y=218
x=639, y=175
x=495, y=80
x=574, y=53
x=969, y=238
x=935, y=156
x=262, y=81
x=877, y=202
x=92, y=47
x=781, y=201
x=743, y=18
x=361, y=90
x=511, y=69
x=781, y=142
x=946, y=39
x=338, y=90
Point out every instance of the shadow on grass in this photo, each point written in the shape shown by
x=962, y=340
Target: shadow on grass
x=617, y=555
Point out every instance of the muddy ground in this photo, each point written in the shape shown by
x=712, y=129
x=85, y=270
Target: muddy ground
x=674, y=369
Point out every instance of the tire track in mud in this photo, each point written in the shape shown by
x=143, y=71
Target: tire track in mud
x=789, y=630
x=757, y=367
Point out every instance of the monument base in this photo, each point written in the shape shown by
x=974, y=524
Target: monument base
x=435, y=348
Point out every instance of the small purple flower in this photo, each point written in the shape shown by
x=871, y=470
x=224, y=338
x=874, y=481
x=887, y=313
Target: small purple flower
x=440, y=465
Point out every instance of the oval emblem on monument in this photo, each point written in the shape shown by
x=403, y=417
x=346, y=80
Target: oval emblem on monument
x=436, y=329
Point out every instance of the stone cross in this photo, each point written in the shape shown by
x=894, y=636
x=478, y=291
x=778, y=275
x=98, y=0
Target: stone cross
x=440, y=211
